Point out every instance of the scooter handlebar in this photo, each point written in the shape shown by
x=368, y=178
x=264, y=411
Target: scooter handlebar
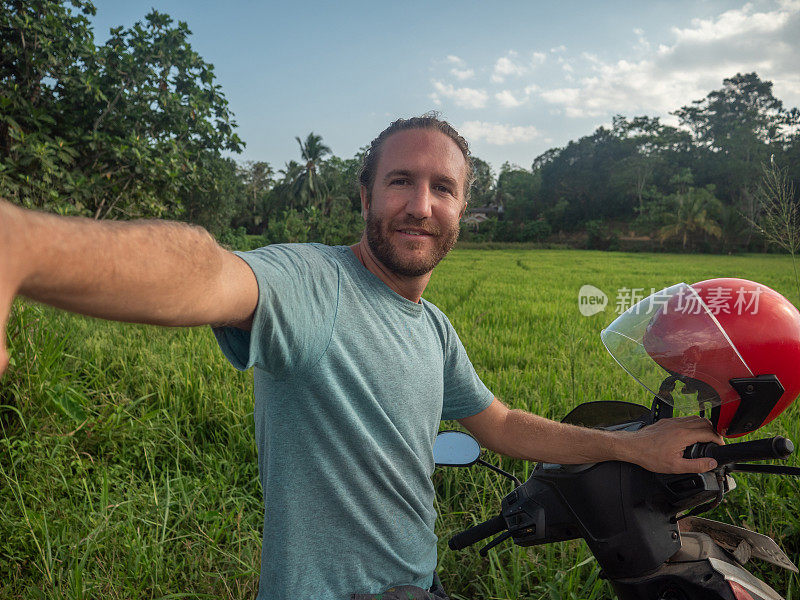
x=777, y=447
x=477, y=533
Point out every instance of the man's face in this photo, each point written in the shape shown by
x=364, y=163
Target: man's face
x=417, y=201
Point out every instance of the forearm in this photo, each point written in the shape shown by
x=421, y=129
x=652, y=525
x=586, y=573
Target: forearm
x=531, y=437
x=147, y=271
x=658, y=447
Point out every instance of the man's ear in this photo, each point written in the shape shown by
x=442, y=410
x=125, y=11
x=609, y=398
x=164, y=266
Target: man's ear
x=364, y=202
x=463, y=210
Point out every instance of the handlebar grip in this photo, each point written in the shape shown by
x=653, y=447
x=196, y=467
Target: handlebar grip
x=477, y=533
x=777, y=447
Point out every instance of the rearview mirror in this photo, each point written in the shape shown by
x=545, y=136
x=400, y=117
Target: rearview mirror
x=455, y=449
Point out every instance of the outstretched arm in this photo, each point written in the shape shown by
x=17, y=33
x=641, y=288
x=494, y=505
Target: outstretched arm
x=156, y=272
x=658, y=447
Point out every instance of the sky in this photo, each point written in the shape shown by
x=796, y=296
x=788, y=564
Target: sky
x=515, y=78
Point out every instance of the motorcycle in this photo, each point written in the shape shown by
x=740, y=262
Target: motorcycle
x=631, y=518
x=644, y=528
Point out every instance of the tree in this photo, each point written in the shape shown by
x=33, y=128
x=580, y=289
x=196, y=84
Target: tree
x=283, y=194
x=310, y=187
x=650, y=151
x=41, y=44
x=217, y=195
x=517, y=191
x=780, y=220
x=341, y=178
x=691, y=214
x=737, y=128
x=117, y=130
x=257, y=179
x=581, y=175
x=482, y=191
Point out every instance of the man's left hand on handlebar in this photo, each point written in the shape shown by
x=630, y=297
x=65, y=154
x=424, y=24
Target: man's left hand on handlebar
x=659, y=447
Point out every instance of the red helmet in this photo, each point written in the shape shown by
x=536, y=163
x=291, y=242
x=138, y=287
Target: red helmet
x=733, y=341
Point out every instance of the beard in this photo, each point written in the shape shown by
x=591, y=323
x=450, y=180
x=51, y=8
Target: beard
x=378, y=238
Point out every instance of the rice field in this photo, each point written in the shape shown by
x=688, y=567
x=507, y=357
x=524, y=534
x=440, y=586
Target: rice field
x=128, y=466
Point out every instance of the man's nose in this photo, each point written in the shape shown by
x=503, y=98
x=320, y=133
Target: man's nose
x=419, y=205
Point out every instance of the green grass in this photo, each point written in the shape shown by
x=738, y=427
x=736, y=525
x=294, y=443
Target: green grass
x=127, y=459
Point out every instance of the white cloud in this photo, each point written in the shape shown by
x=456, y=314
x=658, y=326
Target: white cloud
x=458, y=67
x=498, y=134
x=505, y=66
x=642, y=43
x=561, y=95
x=507, y=99
x=538, y=58
x=566, y=64
x=696, y=61
x=463, y=97
x=511, y=65
x=735, y=22
x=462, y=74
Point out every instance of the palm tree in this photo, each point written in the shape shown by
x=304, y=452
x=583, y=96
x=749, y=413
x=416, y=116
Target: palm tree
x=691, y=216
x=309, y=186
x=258, y=179
x=283, y=194
x=291, y=172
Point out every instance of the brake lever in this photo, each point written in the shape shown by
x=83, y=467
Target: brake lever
x=499, y=539
x=767, y=469
x=720, y=474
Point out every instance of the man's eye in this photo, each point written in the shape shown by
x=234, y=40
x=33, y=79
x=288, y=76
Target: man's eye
x=399, y=181
x=444, y=188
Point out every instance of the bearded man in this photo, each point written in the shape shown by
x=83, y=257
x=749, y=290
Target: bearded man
x=353, y=369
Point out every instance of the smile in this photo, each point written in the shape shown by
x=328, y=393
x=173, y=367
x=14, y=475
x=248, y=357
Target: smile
x=413, y=232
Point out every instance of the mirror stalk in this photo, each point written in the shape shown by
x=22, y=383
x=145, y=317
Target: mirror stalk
x=516, y=481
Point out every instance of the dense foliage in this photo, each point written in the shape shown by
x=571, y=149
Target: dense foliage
x=132, y=127
x=136, y=127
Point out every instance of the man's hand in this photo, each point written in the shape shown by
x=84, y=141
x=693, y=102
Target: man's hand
x=659, y=447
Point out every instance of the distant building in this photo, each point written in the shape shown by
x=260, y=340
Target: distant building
x=476, y=216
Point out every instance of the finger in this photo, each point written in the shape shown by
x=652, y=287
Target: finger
x=5, y=311
x=705, y=435
x=3, y=354
x=693, y=421
x=680, y=422
x=697, y=465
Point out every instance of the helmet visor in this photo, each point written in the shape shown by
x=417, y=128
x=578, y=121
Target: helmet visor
x=672, y=344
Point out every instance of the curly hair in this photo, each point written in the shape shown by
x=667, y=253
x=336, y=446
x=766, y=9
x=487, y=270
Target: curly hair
x=430, y=120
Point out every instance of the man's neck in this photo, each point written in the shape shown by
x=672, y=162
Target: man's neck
x=410, y=288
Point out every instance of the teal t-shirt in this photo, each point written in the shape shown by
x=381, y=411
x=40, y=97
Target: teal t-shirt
x=351, y=381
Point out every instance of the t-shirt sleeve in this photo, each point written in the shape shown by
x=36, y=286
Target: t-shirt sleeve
x=297, y=298
x=464, y=392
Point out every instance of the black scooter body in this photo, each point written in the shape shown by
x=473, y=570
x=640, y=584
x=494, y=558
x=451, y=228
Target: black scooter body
x=612, y=505
x=628, y=517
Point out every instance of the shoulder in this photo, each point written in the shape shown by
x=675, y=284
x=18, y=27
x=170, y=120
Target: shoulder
x=439, y=320
x=292, y=258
